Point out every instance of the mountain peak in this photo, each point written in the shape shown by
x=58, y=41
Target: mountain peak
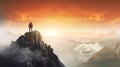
x=32, y=39
x=32, y=47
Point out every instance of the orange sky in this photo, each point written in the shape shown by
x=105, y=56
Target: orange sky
x=64, y=14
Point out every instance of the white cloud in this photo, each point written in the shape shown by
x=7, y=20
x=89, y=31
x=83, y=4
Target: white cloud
x=86, y=50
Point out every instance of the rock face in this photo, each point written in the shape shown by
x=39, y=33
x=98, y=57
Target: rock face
x=33, y=40
x=31, y=51
x=106, y=57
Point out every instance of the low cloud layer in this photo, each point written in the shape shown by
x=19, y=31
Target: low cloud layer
x=86, y=50
x=19, y=56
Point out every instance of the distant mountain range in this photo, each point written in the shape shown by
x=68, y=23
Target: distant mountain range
x=109, y=56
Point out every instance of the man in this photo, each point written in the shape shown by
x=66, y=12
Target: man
x=30, y=26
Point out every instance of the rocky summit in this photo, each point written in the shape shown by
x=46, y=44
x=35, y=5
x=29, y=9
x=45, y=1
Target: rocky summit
x=33, y=40
x=29, y=50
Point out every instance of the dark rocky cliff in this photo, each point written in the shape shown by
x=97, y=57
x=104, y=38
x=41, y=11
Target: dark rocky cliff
x=29, y=50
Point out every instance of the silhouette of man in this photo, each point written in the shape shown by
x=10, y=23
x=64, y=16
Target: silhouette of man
x=30, y=26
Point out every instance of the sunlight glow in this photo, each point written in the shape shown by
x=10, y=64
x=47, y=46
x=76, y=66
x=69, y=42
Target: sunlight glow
x=51, y=33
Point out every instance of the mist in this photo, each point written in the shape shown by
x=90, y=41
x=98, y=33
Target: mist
x=76, y=50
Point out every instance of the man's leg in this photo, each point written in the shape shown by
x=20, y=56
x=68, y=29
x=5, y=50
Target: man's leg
x=29, y=29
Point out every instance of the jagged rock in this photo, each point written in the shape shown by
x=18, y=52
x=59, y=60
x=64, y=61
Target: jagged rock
x=33, y=40
x=29, y=50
